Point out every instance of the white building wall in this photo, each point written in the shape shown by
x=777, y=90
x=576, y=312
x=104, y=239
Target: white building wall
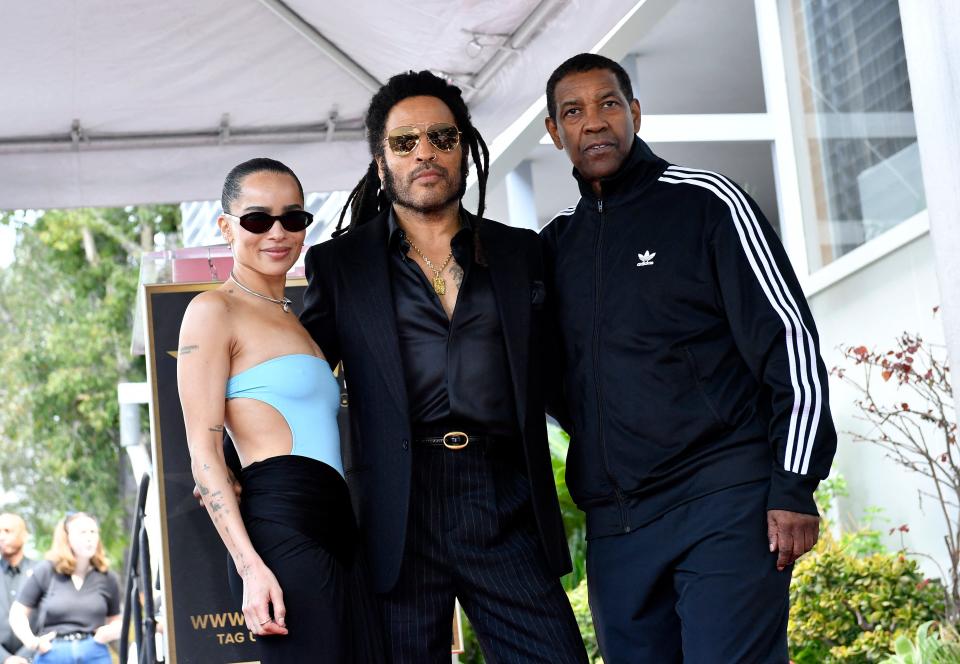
x=872, y=307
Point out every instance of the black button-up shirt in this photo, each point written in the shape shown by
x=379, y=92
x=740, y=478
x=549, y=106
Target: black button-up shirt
x=456, y=369
x=11, y=580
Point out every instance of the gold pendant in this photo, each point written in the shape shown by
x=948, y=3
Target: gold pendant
x=439, y=285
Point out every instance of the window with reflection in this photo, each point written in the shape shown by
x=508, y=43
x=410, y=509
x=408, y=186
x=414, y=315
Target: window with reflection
x=853, y=120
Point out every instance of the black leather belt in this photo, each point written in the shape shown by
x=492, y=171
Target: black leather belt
x=73, y=636
x=453, y=440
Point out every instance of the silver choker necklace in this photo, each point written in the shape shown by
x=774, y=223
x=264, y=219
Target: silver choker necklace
x=283, y=302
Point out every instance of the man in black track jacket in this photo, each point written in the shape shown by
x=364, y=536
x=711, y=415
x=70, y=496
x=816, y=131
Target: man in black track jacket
x=692, y=388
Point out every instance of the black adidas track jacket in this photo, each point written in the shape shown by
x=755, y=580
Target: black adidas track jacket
x=690, y=359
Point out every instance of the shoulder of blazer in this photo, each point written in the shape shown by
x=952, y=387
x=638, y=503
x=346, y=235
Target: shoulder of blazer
x=348, y=242
x=371, y=231
x=316, y=262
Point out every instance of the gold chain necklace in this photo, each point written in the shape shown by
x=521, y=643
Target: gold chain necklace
x=439, y=283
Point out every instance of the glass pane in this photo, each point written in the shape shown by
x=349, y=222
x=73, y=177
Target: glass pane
x=850, y=95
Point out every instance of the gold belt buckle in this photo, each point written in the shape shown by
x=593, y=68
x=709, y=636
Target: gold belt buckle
x=455, y=435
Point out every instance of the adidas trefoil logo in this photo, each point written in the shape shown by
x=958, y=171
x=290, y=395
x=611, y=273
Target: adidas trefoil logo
x=646, y=258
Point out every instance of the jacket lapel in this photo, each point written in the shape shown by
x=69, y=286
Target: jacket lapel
x=510, y=277
x=367, y=276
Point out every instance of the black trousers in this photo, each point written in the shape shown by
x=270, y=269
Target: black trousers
x=471, y=535
x=297, y=513
x=698, y=585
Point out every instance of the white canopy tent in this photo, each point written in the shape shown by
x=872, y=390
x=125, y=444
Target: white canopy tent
x=109, y=103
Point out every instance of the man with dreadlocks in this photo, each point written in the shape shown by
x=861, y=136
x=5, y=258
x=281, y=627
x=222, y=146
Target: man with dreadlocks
x=437, y=316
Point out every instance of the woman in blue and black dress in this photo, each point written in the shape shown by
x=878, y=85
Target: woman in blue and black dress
x=246, y=363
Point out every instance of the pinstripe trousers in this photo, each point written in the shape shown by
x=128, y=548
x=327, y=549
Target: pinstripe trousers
x=471, y=535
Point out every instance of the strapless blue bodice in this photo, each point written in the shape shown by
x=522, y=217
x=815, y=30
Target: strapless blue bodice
x=303, y=390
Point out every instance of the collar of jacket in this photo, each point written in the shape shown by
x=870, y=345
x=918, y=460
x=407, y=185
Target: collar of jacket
x=640, y=168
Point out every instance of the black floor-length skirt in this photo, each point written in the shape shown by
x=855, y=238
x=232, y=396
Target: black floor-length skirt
x=297, y=512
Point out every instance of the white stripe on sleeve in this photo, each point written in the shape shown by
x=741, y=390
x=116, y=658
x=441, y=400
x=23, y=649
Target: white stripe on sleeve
x=801, y=351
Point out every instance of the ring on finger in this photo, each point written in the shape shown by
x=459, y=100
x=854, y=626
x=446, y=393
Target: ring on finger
x=266, y=621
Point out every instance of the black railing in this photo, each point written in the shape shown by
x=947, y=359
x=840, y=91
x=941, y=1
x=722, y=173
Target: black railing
x=139, y=609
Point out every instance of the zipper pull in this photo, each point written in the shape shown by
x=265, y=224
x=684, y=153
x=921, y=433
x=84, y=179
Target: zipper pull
x=600, y=206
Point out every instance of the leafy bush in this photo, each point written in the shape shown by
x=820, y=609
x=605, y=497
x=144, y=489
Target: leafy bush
x=863, y=538
x=581, y=609
x=938, y=647
x=471, y=647
x=848, y=608
x=574, y=521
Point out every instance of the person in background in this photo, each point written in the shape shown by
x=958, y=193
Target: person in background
x=76, y=595
x=15, y=567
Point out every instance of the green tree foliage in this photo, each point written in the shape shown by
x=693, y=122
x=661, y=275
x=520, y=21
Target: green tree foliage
x=66, y=312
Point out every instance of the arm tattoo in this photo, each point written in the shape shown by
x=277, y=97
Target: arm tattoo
x=203, y=490
x=186, y=350
x=457, y=273
x=218, y=428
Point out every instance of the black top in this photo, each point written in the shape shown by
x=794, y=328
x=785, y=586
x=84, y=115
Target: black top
x=455, y=369
x=11, y=580
x=67, y=609
x=691, y=357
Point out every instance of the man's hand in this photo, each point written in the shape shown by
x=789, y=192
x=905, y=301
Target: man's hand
x=792, y=534
x=234, y=484
x=15, y=659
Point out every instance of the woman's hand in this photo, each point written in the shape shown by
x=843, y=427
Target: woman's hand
x=44, y=643
x=110, y=631
x=260, y=591
x=105, y=634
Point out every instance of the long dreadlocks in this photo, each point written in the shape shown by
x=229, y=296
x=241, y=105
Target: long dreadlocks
x=368, y=198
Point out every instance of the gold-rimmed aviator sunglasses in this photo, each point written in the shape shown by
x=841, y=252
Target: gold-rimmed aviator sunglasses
x=404, y=140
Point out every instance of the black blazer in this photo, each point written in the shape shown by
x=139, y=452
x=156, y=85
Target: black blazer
x=348, y=309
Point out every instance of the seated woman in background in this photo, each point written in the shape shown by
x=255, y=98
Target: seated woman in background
x=77, y=595
x=246, y=362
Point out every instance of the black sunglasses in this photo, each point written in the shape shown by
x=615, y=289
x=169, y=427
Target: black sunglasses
x=293, y=221
x=442, y=135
